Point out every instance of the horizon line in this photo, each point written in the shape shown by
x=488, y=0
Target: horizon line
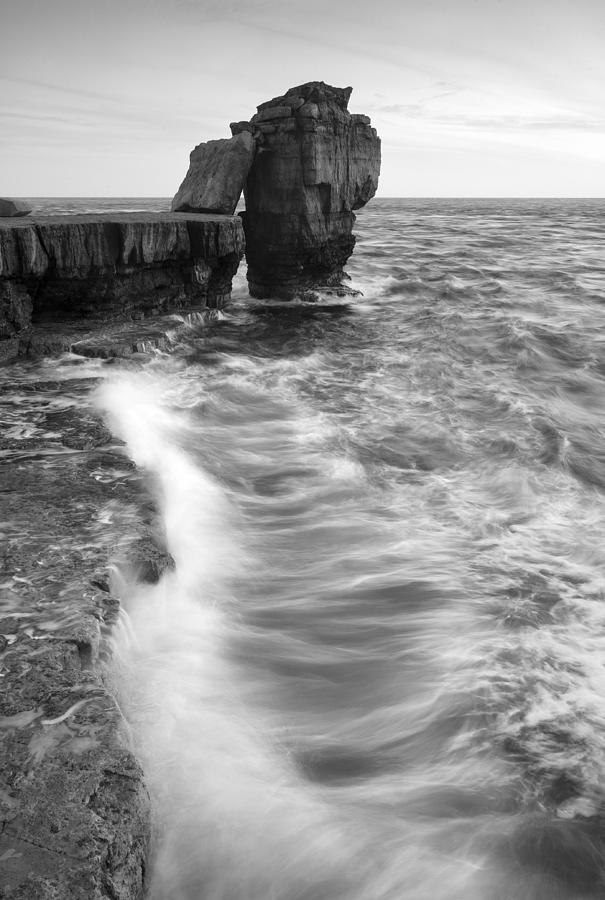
x=390, y=197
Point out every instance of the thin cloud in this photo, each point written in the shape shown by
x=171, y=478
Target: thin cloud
x=60, y=88
x=402, y=109
x=562, y=122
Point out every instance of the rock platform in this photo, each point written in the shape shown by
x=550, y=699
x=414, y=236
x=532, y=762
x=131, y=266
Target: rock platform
x=111, y=267
x=75, y=815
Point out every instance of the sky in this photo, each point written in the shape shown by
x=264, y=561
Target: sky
x=471, y=98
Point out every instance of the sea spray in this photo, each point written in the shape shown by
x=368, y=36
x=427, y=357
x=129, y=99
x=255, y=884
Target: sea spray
x=227, y=802
x=235, y=817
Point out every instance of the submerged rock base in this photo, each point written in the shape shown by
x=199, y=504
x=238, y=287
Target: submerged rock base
x=111, y=267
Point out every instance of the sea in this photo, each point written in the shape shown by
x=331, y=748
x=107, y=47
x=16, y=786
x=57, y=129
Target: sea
x=377, y=669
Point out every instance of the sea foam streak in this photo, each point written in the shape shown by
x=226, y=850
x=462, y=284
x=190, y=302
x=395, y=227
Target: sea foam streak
x=228, y=803
x=235, y=818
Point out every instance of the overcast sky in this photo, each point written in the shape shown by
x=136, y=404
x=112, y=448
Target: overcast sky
x=470, y=97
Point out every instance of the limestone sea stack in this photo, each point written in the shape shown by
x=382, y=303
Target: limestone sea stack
x=315, y=164
x=11, y=208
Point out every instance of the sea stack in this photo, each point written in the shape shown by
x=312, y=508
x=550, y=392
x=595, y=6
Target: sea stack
x=315, y=164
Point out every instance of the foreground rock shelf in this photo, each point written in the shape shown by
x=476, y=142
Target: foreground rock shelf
x=75, y=816
x=111, y=267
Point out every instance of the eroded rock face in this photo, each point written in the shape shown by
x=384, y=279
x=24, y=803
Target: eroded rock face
x=315, y=164
x=111, y=267
x=11, y=208
x=216, y=176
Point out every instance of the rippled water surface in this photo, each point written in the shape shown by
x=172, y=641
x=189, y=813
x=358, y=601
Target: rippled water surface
x=377, y=671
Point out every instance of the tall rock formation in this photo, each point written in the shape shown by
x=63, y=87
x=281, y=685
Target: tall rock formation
x=315, y=163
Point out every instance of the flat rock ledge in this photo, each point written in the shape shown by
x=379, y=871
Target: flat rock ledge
x=75, y=814
x=110, y=268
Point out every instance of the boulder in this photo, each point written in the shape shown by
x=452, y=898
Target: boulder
x=216, y=176
x=10, y=208
x=316, y=163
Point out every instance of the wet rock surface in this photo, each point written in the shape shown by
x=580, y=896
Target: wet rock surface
x=315, y=164
x=110, y=267
x=74, y=810
x=112, y=340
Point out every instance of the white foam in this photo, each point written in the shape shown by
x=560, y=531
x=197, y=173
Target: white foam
x=235, y=819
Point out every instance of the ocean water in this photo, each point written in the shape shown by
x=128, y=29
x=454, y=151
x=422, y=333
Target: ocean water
x=377, y=671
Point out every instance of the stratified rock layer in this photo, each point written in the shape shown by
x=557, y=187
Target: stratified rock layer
x=111, y=267
x=315, y=164
x=216, y=176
